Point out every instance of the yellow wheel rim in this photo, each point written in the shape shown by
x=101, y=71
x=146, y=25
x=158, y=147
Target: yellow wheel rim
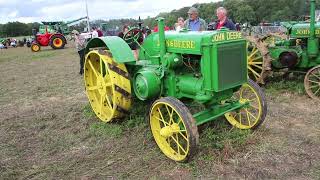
x=35, y=48
x=255, y=61
x=107, y=88
x=169, y=131
x=251, y=115
x=57, y=42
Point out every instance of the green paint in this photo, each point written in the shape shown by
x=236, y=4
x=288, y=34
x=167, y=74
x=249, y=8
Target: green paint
x=207, y=67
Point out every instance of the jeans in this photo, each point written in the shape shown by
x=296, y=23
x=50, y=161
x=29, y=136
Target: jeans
x=81, y=55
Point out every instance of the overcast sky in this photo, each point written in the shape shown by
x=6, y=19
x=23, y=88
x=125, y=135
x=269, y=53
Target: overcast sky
x=55, y=10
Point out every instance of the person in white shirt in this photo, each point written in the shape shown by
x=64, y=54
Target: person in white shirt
x=180, y=24
x=95, y=33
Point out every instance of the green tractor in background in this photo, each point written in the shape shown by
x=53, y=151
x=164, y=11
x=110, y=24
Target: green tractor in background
x=174, y=70
x=297, y=50
x=58, y=26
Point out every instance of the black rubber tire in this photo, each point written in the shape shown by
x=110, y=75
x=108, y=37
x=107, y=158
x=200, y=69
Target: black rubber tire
x=63, y=39
x=187, y=118
x=263, y=101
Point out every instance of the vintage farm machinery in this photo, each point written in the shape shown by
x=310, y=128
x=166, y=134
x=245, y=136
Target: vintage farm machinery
x=297, y=50
x=55, y=40
x=207, y=68
x=58, y=26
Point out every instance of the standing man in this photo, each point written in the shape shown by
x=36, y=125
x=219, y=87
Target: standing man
x=80, y=42
x=223, y=20
x=194, y=23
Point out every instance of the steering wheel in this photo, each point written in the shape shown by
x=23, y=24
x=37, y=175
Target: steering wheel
x=133, y=35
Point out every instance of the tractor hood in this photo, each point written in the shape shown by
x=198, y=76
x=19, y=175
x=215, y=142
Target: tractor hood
x=191, y=42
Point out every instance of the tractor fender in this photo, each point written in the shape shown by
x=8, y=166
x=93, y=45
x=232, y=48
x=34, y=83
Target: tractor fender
x=119, y=49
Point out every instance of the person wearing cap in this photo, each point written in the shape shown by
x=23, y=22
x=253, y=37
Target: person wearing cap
x=223, y=20
x=80, y=42
x=194, y=23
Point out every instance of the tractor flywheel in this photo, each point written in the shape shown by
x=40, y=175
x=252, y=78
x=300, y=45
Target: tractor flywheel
x=107, y=85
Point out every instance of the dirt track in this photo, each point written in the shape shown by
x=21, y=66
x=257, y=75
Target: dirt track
x=46, y=132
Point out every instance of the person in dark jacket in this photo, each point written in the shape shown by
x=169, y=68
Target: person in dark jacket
x=223, y=20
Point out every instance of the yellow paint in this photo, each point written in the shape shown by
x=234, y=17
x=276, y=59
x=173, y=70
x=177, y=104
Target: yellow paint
x=103, y=97
x=169, y=133
x=306, y=31
x=181, y=44
x=226, y=36
x=245, y=118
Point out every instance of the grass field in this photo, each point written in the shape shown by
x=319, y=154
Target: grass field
x=48, y=131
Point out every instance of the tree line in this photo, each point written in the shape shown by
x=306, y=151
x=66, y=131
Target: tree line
x=240, y=11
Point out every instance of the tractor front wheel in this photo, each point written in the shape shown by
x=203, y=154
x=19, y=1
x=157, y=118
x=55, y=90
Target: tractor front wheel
x=173, y=128
x=253, y=114
x=312, y=83
x=57, y=41
x=35, y=47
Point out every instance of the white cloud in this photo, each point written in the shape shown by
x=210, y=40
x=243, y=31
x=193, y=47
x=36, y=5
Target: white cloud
x=44, y=10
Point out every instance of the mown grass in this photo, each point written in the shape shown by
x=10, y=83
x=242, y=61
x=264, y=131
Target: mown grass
x=279, y=84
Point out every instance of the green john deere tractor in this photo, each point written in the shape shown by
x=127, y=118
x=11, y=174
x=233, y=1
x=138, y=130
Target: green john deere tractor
x=208, y=68
x=297, y=50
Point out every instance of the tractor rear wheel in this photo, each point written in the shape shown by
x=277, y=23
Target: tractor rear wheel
x=107, y=85
x=252, y=115
x=35, y=47
x=173, y=128
x=258, y=59
x=312, y=83
x=57, y=41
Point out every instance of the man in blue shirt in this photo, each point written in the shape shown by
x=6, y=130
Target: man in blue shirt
x=194, y=23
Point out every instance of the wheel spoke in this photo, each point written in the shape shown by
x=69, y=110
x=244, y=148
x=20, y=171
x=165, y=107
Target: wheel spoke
x=108, y=84
x=171, y=120
x=162, y=117
x=253, y=53
x=101, y=67
x=312, y=86
x=185, y=152
x=164, y=122
x=93, y=69
x=183, y=135
x=178, y=141
x=251, y=114
x=248, y=118
x=254, y=72
x=256, y=58
x=92, y=88
x=101, y=103
x=260, y=67
x=313, y=81
x=250, y=63
x=108, y=101
x=315, y=76
x=317, y=92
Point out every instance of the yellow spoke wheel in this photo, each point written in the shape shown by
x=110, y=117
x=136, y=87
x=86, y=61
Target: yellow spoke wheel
x=173, y=128
x=35, y=47
x=312, y=83
x=107, y=85
x=252, y=115
x=258, y=59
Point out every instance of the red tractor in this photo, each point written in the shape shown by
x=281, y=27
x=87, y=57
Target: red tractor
x=55, y=40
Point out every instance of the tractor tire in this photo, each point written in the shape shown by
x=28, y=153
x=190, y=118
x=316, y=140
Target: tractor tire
x=35, y=47
x=57, y=41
